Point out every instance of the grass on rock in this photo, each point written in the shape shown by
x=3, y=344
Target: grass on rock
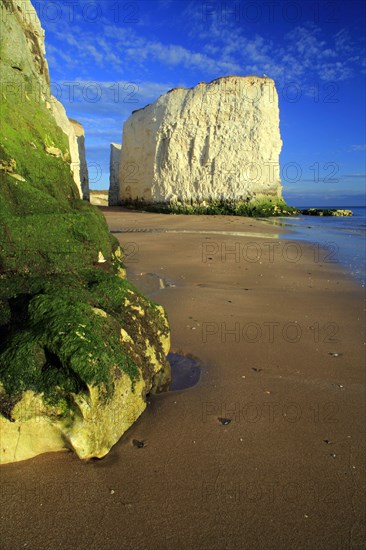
x=53, y=337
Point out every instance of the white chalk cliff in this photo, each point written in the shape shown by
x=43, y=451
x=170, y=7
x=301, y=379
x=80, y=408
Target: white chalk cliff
x=215, y=141
x=81, y=162
x=23, y=50
x=75, y=134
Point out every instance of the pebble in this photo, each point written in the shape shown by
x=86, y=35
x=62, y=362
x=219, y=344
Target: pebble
x=224, y=421
x=138, y=444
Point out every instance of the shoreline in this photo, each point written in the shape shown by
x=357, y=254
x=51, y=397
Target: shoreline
x=343, y=243
x=281, y=230
x=281, y=344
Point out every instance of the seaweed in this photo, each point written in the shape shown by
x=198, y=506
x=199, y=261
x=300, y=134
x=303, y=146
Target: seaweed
x=262, y=207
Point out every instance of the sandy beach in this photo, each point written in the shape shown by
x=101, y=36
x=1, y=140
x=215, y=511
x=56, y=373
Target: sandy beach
x=279, y=331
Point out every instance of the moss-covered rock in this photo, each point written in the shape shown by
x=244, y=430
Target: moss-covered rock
x=79, y=347
x=79, y=359
x=260, y=207
x=325, y=212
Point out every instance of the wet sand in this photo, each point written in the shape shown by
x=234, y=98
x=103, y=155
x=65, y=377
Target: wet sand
x=279, y=333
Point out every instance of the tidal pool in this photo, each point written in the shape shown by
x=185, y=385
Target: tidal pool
x=148, y=283
x=186, y=371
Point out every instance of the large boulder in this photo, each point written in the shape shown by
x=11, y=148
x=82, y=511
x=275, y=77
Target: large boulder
x=76, y=377
x=216, y=141
x=79, y=347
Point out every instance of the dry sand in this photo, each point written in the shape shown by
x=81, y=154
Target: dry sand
x=287, y=472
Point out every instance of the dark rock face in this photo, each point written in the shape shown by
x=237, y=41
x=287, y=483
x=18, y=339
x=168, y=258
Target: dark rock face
x=325, y=212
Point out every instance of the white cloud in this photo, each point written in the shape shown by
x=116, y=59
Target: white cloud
x=307, y=54
x=132, y=55
x=304, y=55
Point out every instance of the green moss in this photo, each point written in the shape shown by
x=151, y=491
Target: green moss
x=54, y=339
x=259, y=208
x=86, y=342
x=109, y=292
x=27, y=128
x=58, y=340
x=44, y=226
x=5, y=312
x=53, y=242
x=325, y=212
x=64, y=343
x=21, y=363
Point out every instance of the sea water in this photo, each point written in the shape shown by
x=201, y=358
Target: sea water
x=344, y=237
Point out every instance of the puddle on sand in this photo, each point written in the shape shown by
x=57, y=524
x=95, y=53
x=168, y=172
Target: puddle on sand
x=148, y=283
x=186, y=371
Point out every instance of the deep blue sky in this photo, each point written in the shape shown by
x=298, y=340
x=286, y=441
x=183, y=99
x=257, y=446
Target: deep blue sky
x=109, y=57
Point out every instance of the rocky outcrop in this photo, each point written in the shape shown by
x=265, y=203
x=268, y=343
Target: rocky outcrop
x=23, y=51
x=325, y=212
x=90, y=421
x=83, y=167
x=115, y=155
x=79, y=347
x=25, y=78
x=215, y=141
